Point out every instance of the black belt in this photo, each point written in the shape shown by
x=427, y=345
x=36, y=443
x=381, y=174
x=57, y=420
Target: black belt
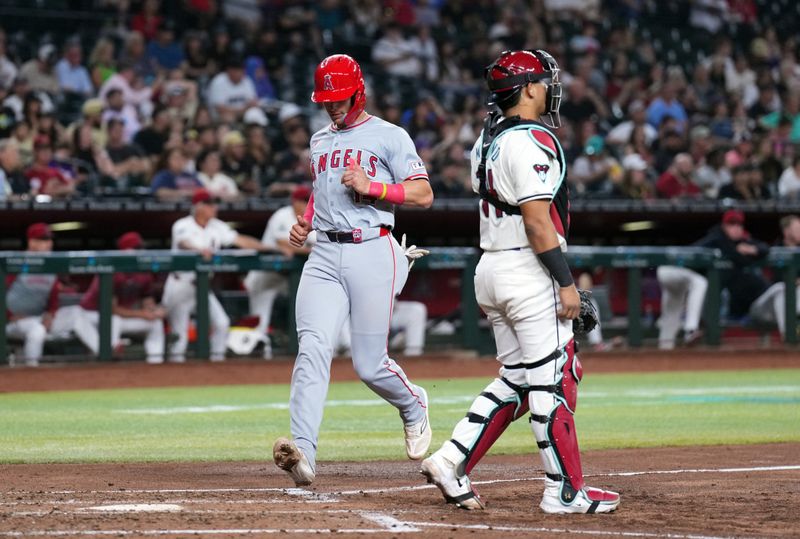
x=352, y=236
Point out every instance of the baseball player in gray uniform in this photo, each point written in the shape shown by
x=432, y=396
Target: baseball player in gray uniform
x=363, y=167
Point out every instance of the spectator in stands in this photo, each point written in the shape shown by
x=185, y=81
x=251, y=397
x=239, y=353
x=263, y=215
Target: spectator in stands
x=8, y=69
x=712, y=175
x=172, y=182
x=741, y=186
x=231, y=92
x=255, y=70
x=237, y=164
x=676, y=181
x=39, y=70
x=396, y=55
x=148, y=21
x=101, y=62
x=595, y=171
x=292, y=163
x=667, y=104
x=134, y=93
x=742, y=151
x=118, y=110
x=11, y=182
x=789, y=112
x=263, y=287
x=153, y=138
x=73, y=78
x=130, y=165
x=583, y=103
x=635, y=183
x=135, y=54
x=33, y=305
x=20, y=90
x=259, y=151
x=197, y=64
x=43, y=178
x=164, y=51
x=202, y=233
x=181, y=101
x=621, y=134
x=134, y=310
x=209, y=173
x=789, y=182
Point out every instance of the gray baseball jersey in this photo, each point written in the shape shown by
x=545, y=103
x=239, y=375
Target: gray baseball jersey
x=387, y=155
x=359, y=278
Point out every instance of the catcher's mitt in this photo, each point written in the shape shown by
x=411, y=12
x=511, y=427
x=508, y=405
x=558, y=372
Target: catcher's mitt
x=587, y=320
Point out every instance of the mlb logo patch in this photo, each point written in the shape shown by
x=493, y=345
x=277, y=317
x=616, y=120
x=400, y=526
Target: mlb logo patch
x=416, y=165
x=357, y=235
x=541, y=170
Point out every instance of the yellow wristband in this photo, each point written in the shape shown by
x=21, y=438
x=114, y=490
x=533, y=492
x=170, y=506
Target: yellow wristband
x=383, y=193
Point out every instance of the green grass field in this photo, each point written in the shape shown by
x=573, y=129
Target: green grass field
x=240, y=422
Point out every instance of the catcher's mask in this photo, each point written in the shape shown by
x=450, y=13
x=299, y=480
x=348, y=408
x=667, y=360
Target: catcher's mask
x=513, y=70
x=336, y=78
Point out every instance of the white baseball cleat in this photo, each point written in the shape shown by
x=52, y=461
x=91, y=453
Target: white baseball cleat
x=568, y=500
x=458, y=491
x=289, y=458
x=419, y=435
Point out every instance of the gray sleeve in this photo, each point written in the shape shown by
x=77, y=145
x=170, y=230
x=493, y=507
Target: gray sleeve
x=403, y=160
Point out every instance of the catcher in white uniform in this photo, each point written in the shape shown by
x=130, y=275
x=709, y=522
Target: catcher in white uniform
x=525, y=286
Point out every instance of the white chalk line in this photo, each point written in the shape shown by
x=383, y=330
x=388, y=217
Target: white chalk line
x=319, y=497
x=397, y=526
x=459, y=399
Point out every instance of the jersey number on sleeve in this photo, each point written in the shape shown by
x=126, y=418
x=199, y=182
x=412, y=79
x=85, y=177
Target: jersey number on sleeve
x=485, y=206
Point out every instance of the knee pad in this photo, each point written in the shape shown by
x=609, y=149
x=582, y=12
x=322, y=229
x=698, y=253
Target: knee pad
x=553, y=425
x=492, y=412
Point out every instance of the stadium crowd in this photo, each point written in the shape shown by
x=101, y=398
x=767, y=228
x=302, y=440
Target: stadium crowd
x=662, y=99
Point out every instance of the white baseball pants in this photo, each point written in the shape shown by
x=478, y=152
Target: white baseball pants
x=771, y=306
x=180, y=300
x=153, y=330
x=33, y=332
x=681, y=288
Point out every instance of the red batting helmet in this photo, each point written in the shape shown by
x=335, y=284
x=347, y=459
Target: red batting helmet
x=514, y=70
x=338, y=77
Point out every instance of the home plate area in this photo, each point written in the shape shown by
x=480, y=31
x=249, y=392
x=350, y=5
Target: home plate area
x=696, y=492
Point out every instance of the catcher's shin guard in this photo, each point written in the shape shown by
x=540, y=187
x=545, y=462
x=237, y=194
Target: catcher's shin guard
x=488, y=417
x=553, y=397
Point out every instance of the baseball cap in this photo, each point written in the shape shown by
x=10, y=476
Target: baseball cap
x=289, y=111
x=255, y=116
x=594, y=145
x=47, y=53
x=130, y=240
x=92, y=106
x=232, y=138
x=634, y=161
x=733, y=217
x=203, y=196
x=39, y=231
x=301, y=192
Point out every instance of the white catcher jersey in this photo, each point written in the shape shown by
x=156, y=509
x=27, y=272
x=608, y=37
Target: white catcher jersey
x=385, y=152
x=521, y=165
x=215, y=235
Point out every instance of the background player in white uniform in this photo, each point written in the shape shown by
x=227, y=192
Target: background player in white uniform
x=363, y=167
x=203, y=233
x=33, y=305
x=682, y=291
x=264, y=286
x=525, y=287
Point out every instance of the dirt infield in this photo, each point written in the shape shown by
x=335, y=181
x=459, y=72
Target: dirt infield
x=697, y=492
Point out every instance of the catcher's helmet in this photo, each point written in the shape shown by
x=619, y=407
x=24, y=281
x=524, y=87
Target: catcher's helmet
x=336, y=78
x=513, y=70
